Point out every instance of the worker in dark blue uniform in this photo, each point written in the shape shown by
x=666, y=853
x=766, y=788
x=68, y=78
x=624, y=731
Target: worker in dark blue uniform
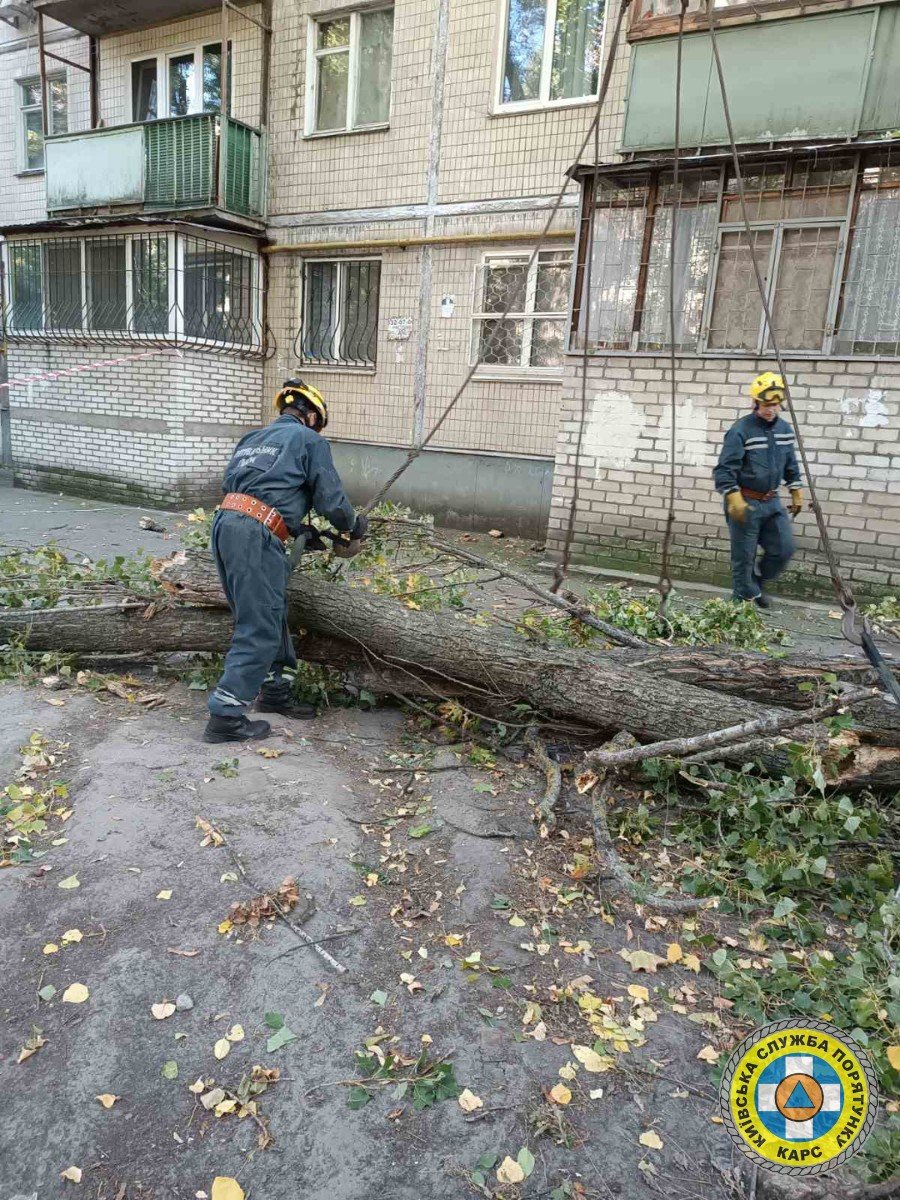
x=275, y=476
x=758, y=456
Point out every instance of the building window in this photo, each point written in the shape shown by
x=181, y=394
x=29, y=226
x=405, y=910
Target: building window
x=33, y=121
x=349, y=71
x=340, y=311
x=532, y=334
x=130, y=287
x=178, y=84
x=551, y=50
x=804, y=214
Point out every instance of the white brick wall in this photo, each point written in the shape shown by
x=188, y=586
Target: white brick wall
x=850, y=421
x=159, y=429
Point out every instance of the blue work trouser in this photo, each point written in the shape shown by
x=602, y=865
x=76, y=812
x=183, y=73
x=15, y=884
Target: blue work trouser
x=766, y=526
x=254, y=571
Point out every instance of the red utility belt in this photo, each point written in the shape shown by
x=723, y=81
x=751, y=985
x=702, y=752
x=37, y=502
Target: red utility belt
x=271, y=518
x=750, y=495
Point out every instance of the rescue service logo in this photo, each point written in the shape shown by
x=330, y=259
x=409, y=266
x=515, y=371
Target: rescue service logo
x=798, y=1097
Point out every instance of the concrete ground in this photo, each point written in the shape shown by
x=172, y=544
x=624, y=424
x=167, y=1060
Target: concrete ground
x=330, y=810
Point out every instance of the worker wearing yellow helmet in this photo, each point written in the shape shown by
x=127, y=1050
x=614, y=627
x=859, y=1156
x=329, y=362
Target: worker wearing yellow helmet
x=276, y=475
x=758, y=457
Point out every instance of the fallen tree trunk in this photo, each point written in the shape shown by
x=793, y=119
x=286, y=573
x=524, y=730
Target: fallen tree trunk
x=645, y=692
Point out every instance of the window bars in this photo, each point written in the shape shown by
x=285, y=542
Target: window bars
x=824, y=230
x=340, y=312
x=165, y=287
x=532, y=332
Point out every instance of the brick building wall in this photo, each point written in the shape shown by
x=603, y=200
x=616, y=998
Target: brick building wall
x=22, y=194
x=850, y=420
x=138, y=432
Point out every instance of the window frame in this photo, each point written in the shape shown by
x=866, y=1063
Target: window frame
x=501, y=107
x=649, y=177
x=163, y=57
x=344, y=365
x=22, y=137
x=175, y=290
x=524, y=368
x=314, y=54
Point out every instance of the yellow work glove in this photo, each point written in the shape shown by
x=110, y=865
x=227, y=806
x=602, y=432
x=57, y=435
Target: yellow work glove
x=736, y=507
x=796, y=505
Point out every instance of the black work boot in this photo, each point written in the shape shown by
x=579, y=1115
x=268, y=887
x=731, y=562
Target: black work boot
x=235, y=729
x=286, y=706
x=762, y=600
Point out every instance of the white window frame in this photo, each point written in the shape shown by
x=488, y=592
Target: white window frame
x=175, y=271
x=313, y=54
x=21, y=141
x=368, y=368
x=522, y=369
x=506, y=107
x=163, y=58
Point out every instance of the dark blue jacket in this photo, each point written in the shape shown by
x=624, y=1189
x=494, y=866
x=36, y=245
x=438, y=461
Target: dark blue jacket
x=288, y=465
x=757, y=455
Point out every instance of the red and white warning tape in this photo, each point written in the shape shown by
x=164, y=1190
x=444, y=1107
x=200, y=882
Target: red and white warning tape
x=91, y=366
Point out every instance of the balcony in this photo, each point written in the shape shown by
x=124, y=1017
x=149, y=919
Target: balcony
x=178, y=164
x=100, y=17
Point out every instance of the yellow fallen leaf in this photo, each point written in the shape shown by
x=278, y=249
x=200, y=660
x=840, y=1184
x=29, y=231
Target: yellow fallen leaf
x=692, y=962
x=357, y=901
x=107, y=1099
x=71, y=1173
x=468, y=1101
x=226, y=1106
x=717, y=1120
x=638, y=992
x=591, y=1060
x=642, y=960
x=709, y=1054
x=226, y=1188
x=673, y=952
x=221, y=1048
x=164, y=1009
x=509, y=1171
x=516, y=921
x=651, y=1139
x=198, y=1086
x=453, y=939
x=569, y=1071
x=893, y=1057
x=235, y=1033
x=225, y=926
x=51, y=948
x=71, y=935
x=165, y=894
x=75, y=993
x=560, y=1094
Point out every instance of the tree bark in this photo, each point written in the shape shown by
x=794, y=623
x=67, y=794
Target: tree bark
x=651, y=694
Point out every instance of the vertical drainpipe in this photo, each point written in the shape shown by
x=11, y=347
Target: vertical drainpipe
x=432, y=169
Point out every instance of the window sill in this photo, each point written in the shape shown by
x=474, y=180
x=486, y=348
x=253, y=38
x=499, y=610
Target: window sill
x=30, y=173
x=553, y=375
x=333, y=133
x=539, y=106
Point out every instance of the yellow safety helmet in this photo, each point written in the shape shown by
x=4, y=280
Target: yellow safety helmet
x=295, y=389
x=768, y=388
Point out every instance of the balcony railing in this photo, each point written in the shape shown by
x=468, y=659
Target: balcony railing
x=199, y=161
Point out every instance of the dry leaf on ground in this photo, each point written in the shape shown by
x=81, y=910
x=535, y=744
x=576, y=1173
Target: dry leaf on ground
x=164, y=1009
x=560, y=1094
x=651, y=1139
x=468, y=1101
x=73, y=1174
x=509, y=1171
x=75, y=993
x=226, y=1188
x=221, y=1048
x=643, y=960
x=107, y=1099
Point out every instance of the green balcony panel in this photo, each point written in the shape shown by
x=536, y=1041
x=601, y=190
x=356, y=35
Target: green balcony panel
x=799, y=79
x=179, y=161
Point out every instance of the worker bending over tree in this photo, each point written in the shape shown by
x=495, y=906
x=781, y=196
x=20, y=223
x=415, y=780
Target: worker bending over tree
x=757, y=457
x=275, y=476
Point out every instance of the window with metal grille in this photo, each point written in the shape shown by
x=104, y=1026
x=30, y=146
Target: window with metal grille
x=165, y=286
x=32, y=144
x=824, y=234
x=532, y=334
x=340, y=311
x=349, y=71
x=551, y=51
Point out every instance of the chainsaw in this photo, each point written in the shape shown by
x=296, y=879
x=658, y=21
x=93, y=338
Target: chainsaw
x=310, y=539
